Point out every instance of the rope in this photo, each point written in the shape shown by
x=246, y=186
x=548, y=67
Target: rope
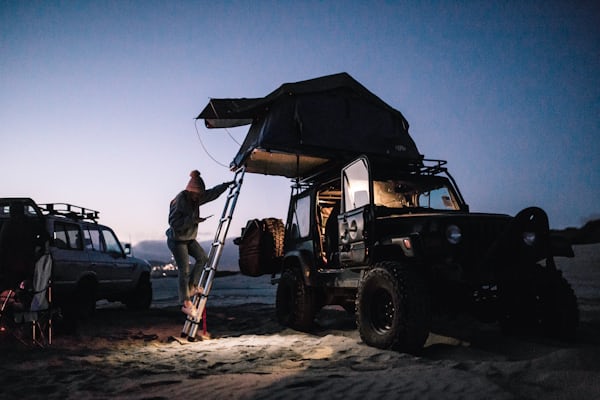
x=217, y=115
x=202, y=143
x=205, y=150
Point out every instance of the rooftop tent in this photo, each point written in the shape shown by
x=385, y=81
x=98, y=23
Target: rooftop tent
x=306, y=124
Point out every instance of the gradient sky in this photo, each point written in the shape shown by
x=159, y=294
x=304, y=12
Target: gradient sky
x=98, y=99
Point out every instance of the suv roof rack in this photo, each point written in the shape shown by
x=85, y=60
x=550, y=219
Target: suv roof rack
x=70, y=211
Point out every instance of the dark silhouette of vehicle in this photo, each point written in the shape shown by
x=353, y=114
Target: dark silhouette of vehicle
x=375, y=227
x=89, y=263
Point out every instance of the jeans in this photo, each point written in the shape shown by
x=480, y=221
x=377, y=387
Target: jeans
x=182, y=252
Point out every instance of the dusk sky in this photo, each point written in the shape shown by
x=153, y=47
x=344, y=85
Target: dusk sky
x=98, y=99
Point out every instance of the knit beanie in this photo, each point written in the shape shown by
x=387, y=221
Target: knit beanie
x=196, y=184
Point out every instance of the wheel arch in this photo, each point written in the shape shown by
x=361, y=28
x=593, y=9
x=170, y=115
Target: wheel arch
x=89, y=279
x=301, y=260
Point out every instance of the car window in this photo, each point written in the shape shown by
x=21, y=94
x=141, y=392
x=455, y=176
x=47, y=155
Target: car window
x=439, y=199
x=356, y=185
x=93, y=239
x=67, y=236
x=111, y=242
x=29, y=211
x=301, y=217
x=408, y=194
x=386, y=193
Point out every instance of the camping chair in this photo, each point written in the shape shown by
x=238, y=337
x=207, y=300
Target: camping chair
x=26, y=311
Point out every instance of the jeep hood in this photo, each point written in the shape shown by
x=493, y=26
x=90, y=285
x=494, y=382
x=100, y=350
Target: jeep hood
x=303, y=125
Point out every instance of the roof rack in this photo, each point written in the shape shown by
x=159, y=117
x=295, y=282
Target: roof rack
x=70, y=211
x=434, y=167
x=424, y=166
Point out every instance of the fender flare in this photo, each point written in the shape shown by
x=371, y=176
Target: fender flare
x=301, y=259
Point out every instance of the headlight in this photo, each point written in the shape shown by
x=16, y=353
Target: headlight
x=453, y=234
x=529, y=238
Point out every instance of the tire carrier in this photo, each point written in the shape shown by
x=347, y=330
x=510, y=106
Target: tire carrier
x=190, y=328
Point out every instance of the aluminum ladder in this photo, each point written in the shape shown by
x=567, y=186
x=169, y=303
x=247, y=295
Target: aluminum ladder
x=190, y=328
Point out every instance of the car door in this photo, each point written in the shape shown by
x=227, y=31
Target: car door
x=299, y=226
x=108, y=260
x=122, y=268
x=356, y=199
x=70, y=262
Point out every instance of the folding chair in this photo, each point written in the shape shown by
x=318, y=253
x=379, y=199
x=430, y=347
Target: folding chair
x=26, y=312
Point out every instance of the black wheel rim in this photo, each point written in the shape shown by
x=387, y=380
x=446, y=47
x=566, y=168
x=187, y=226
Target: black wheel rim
x=381, y=311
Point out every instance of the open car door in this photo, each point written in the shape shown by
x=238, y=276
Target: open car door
x=357, y=196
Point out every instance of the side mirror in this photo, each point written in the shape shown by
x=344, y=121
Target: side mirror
x=127, y=247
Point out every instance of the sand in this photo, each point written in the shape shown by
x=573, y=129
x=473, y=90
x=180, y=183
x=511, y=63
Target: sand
x=123, y=354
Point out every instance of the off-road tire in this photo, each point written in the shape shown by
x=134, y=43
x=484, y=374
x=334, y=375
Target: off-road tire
x=272, y=246
x=261, y=247
x=141, y=298
x=275, y=234
x=295, y=303
x=547, y=304
x=81, y=304
x=393, y=309
x=558, y=315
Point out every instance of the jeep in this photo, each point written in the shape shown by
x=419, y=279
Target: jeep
x=375, y=227
x=88, y=261
x=397, y=246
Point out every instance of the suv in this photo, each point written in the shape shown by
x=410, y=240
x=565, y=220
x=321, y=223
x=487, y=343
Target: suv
x=375, y=227
x=398, y=245
x=89, y=262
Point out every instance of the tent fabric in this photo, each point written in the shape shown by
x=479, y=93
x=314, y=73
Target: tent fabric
x=308, y=123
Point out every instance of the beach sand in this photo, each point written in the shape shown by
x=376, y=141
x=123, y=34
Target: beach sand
x=139, y=355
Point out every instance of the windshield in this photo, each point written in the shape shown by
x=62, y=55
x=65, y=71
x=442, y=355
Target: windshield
x=434, y=194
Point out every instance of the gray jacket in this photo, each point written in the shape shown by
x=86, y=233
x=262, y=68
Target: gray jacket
x=184, y=214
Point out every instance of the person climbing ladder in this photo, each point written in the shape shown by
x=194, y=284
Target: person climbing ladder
x=203, y=285
x=184, y=217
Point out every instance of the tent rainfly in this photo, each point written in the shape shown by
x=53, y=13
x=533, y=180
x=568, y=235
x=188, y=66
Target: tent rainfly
x=304, y=125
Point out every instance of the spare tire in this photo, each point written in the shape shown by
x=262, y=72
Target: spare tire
x=261, y=247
